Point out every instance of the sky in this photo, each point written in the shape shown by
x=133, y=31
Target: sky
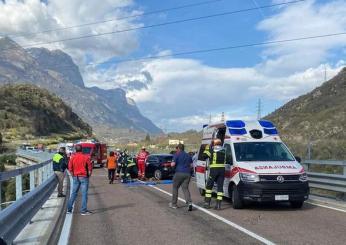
x=181, y=92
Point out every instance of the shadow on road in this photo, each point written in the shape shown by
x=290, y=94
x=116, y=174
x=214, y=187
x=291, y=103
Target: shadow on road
x=102, y=210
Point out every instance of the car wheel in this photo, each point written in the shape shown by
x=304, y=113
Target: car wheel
x=237, y=202
x=201, y=191
x=297, y=204
x=158, y=174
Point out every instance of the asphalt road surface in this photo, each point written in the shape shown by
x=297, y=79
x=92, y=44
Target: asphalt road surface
x=140, y=214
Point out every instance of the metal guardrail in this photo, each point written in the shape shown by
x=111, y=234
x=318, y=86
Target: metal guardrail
x=332, y=182
x=42, y=183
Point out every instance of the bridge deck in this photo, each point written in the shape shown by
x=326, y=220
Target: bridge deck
x=140, y=215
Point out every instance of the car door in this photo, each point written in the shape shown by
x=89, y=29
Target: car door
x=152, y=164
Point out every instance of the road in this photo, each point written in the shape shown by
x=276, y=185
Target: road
x=140, y=215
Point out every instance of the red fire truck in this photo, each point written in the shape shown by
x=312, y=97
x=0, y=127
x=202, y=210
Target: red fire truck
x=97, y=152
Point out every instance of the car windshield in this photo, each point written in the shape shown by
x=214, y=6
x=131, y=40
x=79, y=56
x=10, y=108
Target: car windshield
x=262, y=151
x=86, y=150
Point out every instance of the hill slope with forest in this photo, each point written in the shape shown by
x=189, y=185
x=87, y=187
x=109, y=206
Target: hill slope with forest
x=318, y=117
x=28, y=111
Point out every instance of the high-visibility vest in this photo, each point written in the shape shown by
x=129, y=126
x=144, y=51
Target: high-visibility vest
x=57, y=157
x=131, y=163
x=217, y=158
x=56, y=161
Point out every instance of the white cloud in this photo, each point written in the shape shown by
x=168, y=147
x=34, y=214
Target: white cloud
x=29, y=16
x=183, y=92
x=302, y=20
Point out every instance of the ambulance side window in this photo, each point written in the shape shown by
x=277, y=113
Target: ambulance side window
x=200, y=153
x=228, y=149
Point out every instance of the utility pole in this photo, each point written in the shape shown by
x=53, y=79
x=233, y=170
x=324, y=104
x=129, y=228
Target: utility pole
x=222, y=117
x=259, y=109
x=209, y=118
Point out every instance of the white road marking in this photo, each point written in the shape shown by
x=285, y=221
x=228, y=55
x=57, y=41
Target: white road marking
x=226, y=221
x=66, y=229
x=325, y=206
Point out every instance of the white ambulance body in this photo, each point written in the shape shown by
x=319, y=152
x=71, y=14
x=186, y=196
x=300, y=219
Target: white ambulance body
x=259, y=166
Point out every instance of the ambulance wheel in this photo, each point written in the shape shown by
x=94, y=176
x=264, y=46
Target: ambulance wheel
x=297, y=204
x=201, y=191
x=237, y=202
x=158, y=174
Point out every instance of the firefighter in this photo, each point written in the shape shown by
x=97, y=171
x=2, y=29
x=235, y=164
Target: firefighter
x=132, y=168
x=141, y=158
x=217, y=159
x=124, y=166
x=119, y=154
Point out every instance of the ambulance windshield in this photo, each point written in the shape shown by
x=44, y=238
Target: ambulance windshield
x=262, y=151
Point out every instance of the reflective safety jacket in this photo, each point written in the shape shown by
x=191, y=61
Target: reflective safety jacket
x=142, y=156
x=130, y=162
x=59, y=162
x=216, y=156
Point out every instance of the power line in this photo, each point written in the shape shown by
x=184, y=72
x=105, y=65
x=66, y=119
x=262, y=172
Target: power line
x=211, y=50
x=160, y=24
x=117, y=19
x=219, y=49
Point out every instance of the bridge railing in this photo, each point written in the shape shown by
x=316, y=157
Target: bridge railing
x=42, y=182
x=325, y=181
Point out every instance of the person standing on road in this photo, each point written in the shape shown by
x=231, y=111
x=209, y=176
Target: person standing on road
x=111, y=166
x=183, y=165
x=217, y=160
x=81, y=169
x=141, y=158
x=118, y=155
x=59, y=167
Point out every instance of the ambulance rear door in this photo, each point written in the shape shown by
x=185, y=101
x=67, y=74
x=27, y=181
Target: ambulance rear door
x=201, y=168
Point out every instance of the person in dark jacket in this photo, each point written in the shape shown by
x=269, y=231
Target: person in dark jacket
x=183, y=166
x=124, y=166
x=217, y=160
x=59, y=167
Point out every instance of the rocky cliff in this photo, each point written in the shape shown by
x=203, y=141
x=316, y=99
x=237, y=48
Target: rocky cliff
x=56, y=71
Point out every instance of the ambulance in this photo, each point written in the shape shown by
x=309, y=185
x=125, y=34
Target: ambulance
x=259, y=166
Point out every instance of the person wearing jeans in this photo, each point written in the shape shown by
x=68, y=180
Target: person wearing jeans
x=81, y=169
x=83, y=183
x=183, y=165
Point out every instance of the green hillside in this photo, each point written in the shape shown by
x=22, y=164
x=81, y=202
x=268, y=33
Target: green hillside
x=28, y=112
x=318, y=117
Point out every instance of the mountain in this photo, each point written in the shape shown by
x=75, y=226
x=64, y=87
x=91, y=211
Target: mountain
x=58, y=61
x=107, y=111
x=318, y=117
x=29, y=110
